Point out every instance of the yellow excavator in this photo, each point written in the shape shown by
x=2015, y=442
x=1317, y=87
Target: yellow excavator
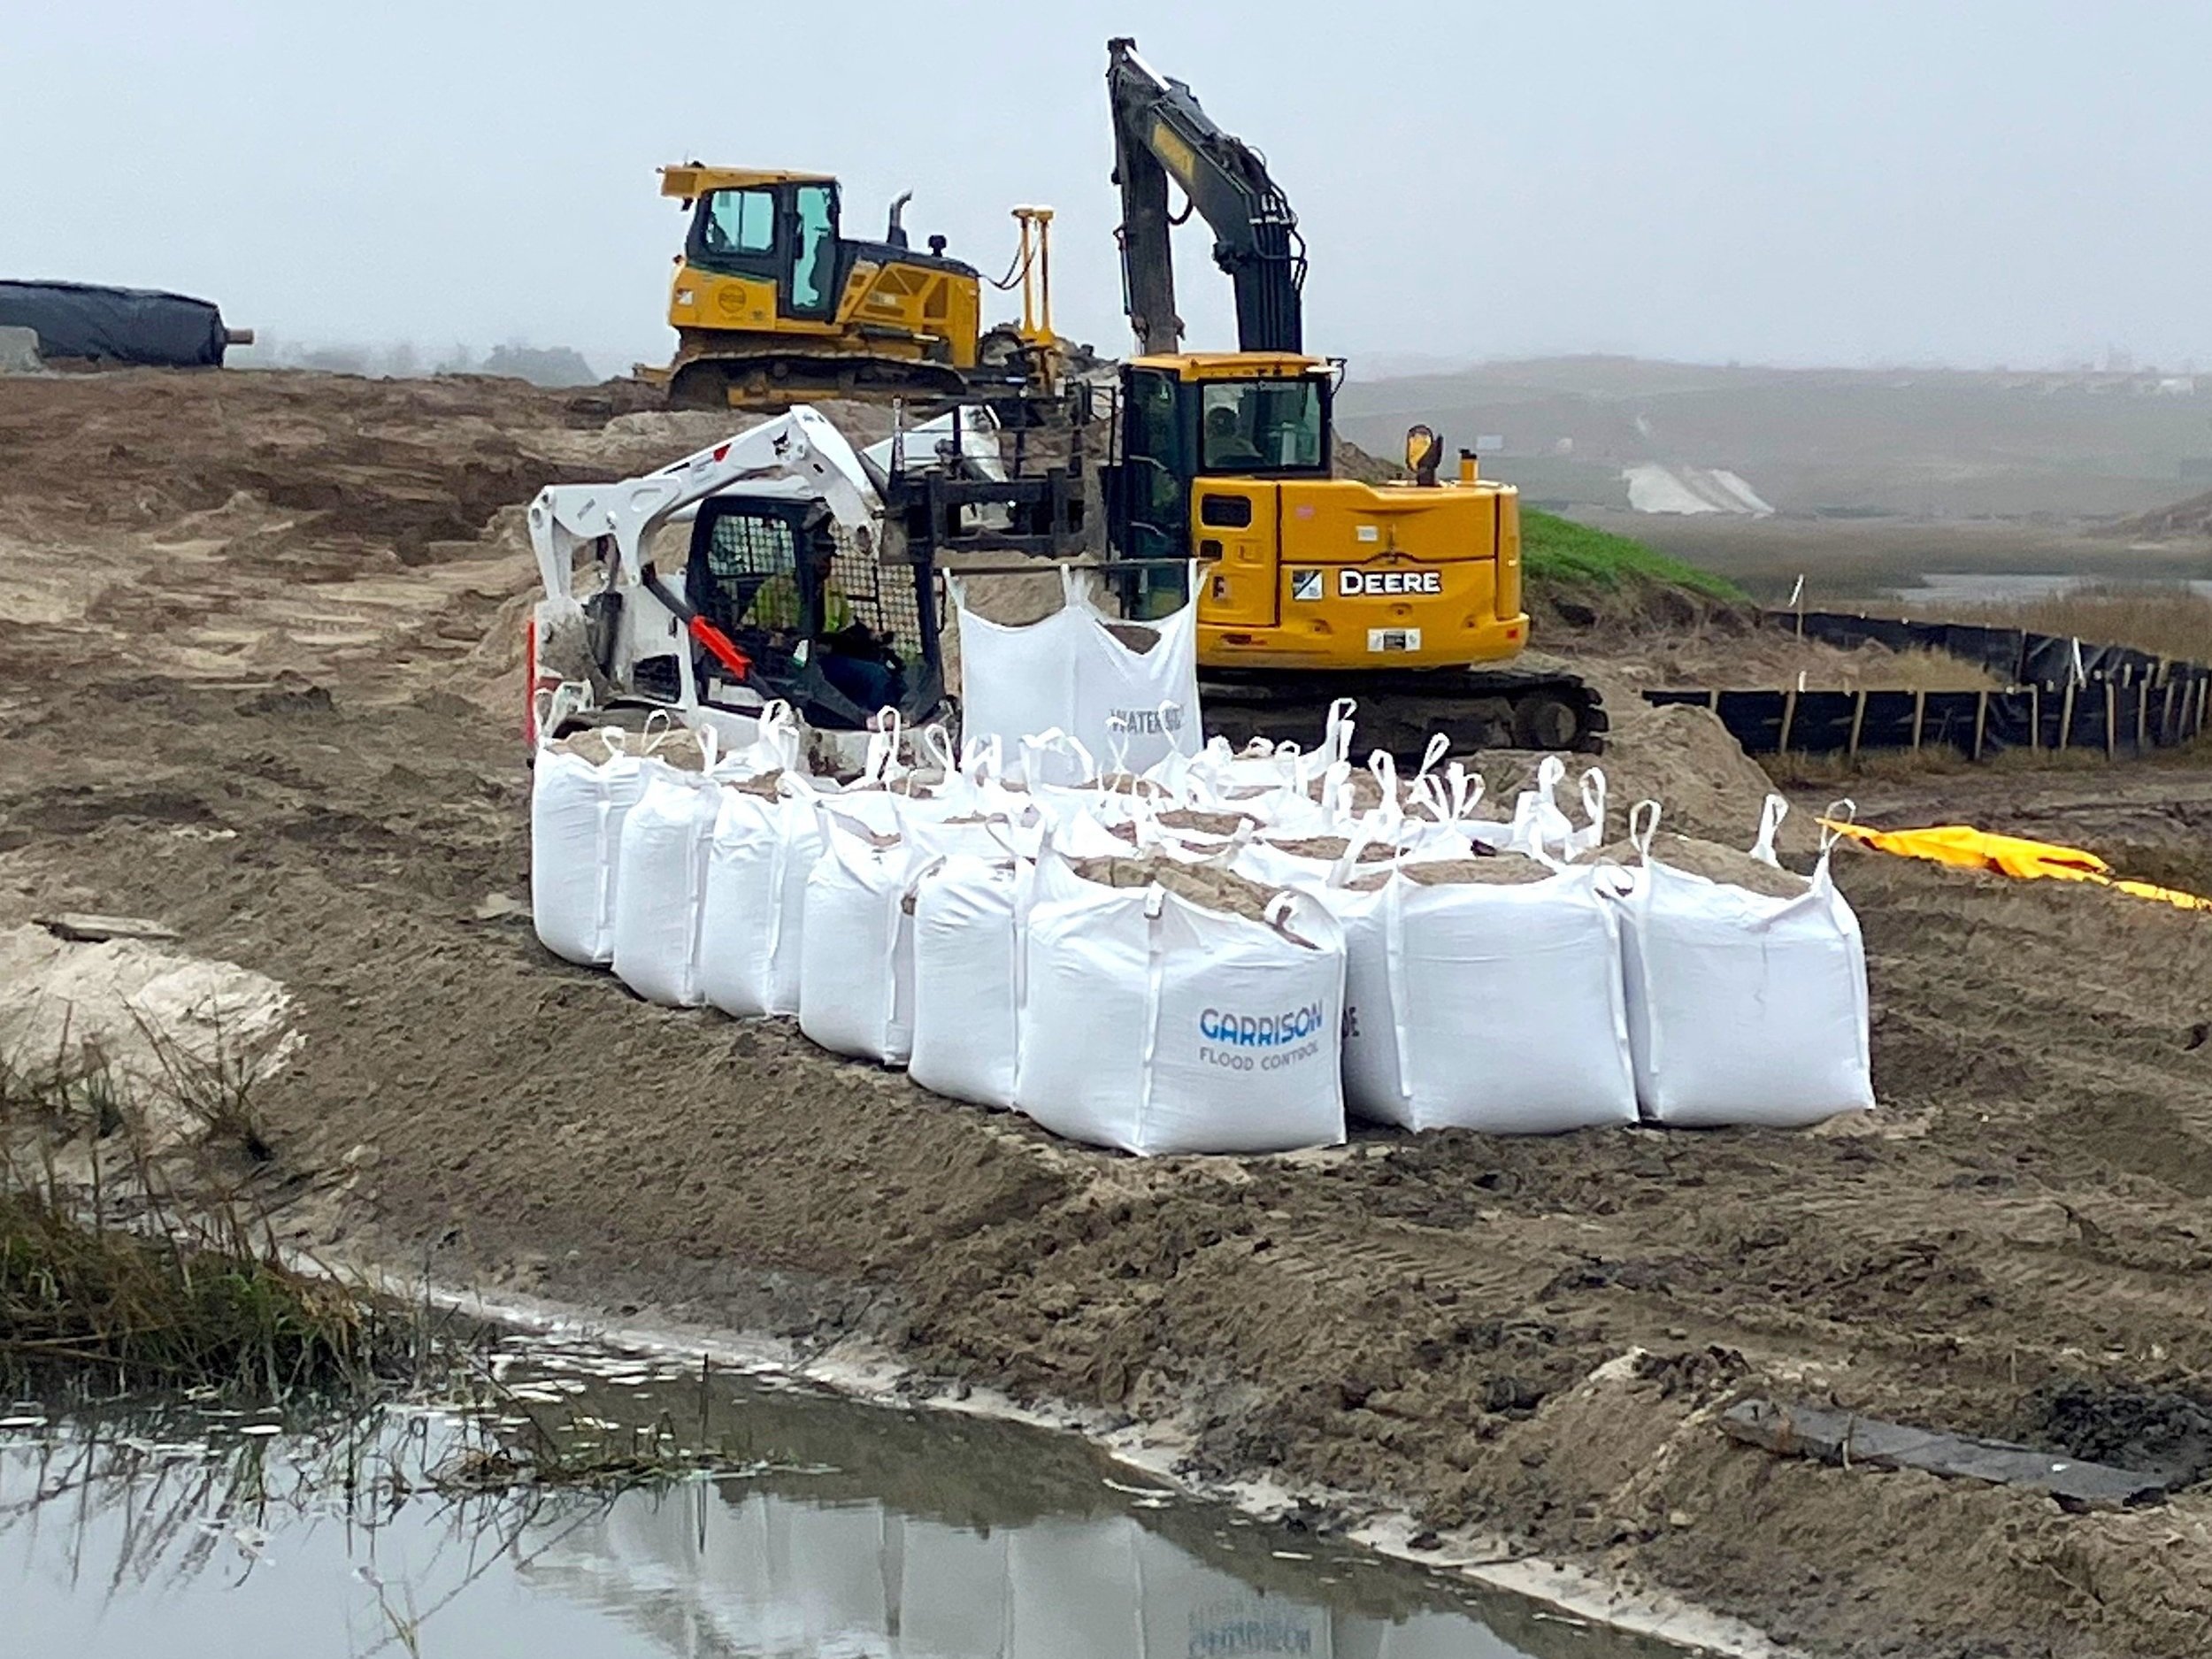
x=771, y=302
x=1406, y=595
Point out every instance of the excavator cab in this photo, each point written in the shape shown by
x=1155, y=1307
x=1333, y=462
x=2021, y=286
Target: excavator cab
x=1203, y=438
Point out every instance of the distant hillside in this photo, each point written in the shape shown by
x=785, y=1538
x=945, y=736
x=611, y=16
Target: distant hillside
x=1813, y=443
x=2185, y=520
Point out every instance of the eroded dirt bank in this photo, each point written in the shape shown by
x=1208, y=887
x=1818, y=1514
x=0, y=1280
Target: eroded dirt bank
x=289, y=744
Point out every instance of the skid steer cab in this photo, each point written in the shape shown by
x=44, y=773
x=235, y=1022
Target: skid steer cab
x=748, y=573
x=820, y=621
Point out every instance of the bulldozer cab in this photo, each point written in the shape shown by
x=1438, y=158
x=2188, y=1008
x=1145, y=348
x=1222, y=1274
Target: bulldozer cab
x=825, y=625
x=779, y=229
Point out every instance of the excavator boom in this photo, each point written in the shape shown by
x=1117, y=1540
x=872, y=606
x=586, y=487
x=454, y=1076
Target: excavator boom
x=1160, y=133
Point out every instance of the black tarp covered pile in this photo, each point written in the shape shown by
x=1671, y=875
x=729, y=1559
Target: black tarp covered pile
x=80, y=319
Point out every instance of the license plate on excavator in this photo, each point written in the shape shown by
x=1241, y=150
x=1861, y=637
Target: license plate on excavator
x=1393, y=639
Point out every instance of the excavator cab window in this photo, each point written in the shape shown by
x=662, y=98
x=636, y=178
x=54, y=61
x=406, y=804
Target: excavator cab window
x=1273, y=426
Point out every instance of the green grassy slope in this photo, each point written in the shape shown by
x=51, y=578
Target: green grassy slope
x=1559, y=553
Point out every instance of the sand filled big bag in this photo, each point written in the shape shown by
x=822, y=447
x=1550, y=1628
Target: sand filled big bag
x=967, y=943
x=1187, y=1010
x=1483, y=993
x=580, y=790
x=767, y=834
x=1071, y=671
x=1747, y=994
x=660, y=885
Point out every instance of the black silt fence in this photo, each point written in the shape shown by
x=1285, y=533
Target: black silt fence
x=2062, y=693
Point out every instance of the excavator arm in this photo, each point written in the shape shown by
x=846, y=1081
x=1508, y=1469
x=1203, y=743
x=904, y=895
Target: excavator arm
x=1160, y=133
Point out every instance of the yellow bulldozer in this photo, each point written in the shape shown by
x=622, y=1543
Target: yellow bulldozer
x=771, y=302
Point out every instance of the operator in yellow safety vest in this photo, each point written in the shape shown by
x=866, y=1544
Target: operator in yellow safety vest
x=779, y=607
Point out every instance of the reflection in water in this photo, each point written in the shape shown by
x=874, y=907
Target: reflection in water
x=856, y=1531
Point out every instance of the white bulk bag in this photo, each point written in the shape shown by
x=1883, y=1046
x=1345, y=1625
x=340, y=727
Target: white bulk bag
x=762, y=851
x=660, y=884
x=1069, y=672
x=855, y=963
x=1496, y=1007
x=1743, y=1008
x=967, y=978
x=1540, y=828
x=1155, y=1025
x=776, y=745
x=576, y=813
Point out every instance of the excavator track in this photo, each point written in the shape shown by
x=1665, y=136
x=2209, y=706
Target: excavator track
x=1399, y=708
x=777, y=382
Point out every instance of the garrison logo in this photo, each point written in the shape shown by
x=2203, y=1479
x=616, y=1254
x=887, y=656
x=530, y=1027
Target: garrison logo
x=1228, y=1040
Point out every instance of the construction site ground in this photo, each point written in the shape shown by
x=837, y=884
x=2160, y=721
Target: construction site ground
x=262, y=683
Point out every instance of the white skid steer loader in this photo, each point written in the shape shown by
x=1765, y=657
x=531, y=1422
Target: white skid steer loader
x=782, y=590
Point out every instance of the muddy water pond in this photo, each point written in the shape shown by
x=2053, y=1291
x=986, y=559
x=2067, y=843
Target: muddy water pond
x=811, y=1525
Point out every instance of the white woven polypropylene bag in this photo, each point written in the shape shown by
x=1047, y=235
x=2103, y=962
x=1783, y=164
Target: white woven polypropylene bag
x=1743, y=1008
x=855, y=963
x=660, y=885
x=576, y=813
x=1069, y=672
x=1490, y=1006
x=1153, y=1025
x=967, y=978
x=761, y=854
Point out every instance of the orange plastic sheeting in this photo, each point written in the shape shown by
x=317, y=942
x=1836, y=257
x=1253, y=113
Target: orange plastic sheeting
x=1965, y=848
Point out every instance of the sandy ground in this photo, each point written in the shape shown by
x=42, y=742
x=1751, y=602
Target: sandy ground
x=258, y=684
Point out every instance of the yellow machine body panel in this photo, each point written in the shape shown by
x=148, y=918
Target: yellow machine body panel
x=885, y=309
x=1337, y=574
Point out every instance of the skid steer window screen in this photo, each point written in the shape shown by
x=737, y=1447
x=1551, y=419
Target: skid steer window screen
x=1261, y=425
x=740, y=221
x=885, y=599
x=753, y=564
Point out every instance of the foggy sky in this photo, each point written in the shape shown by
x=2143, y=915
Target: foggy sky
x=1775, y=180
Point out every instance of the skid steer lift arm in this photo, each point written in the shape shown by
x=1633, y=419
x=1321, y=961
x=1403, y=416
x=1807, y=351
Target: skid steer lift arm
x=801, y=450
x=1159, y=133
x=801, y=447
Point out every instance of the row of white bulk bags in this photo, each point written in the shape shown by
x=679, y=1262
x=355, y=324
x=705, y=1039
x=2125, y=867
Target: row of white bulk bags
x=1155, y=1024
x=579, y=808
x=1069, y=672
x=1743, y=1008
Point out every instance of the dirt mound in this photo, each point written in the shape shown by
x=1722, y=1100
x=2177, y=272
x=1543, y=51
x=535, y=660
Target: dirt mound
x=255, y=737
x=1498, y=870
x=1680, y=757
x=2160, y=1431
